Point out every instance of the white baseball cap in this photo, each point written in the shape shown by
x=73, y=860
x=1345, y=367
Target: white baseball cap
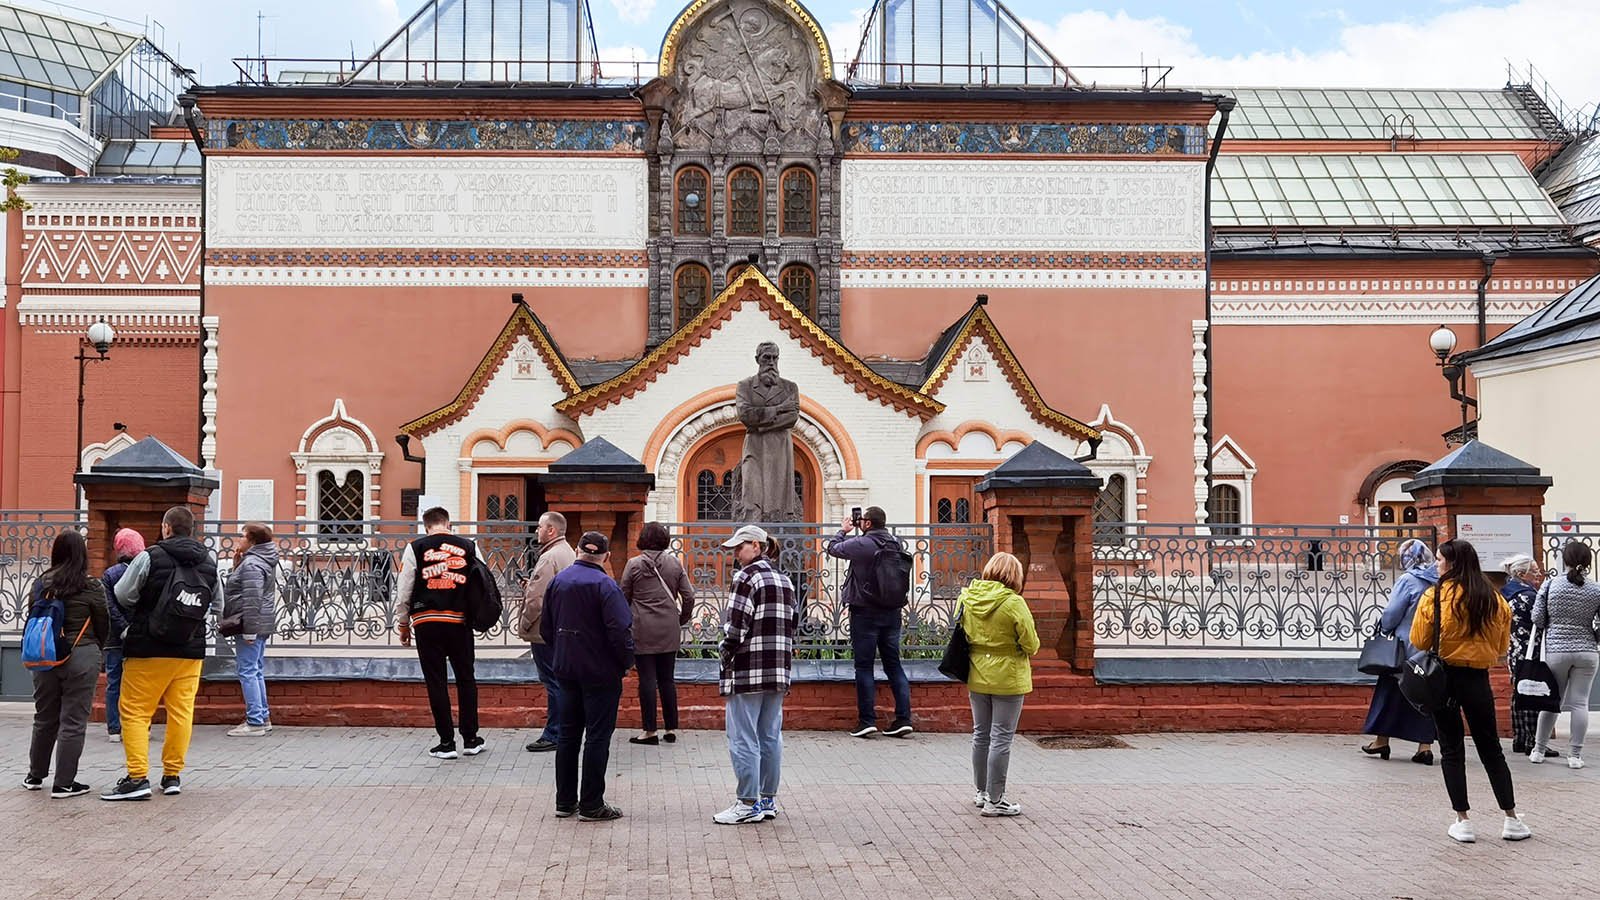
x=745, y=534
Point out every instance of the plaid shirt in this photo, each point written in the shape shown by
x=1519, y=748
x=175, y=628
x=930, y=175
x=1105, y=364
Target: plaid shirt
x=762, y=617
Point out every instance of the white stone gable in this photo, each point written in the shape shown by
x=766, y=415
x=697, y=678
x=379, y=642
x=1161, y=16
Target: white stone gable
x=977, y=390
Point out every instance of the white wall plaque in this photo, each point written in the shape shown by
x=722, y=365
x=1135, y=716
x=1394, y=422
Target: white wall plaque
x=581, y=203
x=1023, y=205
x=214, y=501
x=255, y=500
x=1496, y=537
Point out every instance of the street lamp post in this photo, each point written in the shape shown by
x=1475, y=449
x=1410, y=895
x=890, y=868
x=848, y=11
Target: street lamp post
x=101, y=336
x=1443, y=343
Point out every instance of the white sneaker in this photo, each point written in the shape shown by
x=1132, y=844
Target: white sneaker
x=1462, y=831
x=1515, y=829
x=1537, y=756
x=1001, y=807
x=248, y=730
x=740, y=813
x=114, y=737
x=980, y=799
x=1574, y=762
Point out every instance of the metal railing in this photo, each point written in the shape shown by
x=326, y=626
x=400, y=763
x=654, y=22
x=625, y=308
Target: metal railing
x=258, y=70
x=1558, y=534
x=1282, y=589
x=25, y=539
x=976, y=74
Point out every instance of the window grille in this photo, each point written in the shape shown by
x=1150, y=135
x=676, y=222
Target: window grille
x=694, y=201
x=1111, y=507
x=1223, y=509
x=799, y=202
x=340, y=507
x=713, y=499
x=693, y=290
x=800, y=286
x=744, y=203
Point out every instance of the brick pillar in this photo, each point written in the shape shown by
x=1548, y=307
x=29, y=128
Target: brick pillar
x=1041, y=505
x=600, y=488
x=134, y=489
x=1478, y=480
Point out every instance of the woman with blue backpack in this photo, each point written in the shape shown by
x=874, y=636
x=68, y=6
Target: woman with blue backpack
x=67, y=627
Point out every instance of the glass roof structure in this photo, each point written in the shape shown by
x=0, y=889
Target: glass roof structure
x=957, y=42
x=48, y=51
x=1379, y=191
x=148, y=157
x=1354, y=114
x=1573, y=181
x=502, y=41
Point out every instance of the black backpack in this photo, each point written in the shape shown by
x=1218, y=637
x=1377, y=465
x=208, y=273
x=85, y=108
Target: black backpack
x=889, y=586
x=484, y=606
x=179, y=613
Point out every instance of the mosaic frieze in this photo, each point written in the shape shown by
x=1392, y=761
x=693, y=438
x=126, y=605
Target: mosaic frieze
x=574, y=135
x=892, y=260
x=1023, y=137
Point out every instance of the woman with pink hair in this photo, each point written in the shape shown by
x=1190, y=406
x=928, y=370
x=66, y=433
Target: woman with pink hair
x=127, y=543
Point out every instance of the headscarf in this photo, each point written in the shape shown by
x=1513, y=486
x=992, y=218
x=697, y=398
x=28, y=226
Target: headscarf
x=127, y=543
x=1414, y=554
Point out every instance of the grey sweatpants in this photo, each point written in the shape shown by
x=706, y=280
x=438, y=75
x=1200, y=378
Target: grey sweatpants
x=1575, y=673
x=994, y=724
x=62, y=699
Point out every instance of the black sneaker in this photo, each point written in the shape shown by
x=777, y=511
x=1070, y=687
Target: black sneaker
x=900, y=728
x=540, y=746
x=76, y=789
x=129, y=789
x=30, y=783
x=170, y=785
x=605, y=813
x=444, y=751
x=865, y=730
x=472, y=746
x=565, y=812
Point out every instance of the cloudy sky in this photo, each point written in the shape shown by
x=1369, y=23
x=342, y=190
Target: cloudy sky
x=1399, y=43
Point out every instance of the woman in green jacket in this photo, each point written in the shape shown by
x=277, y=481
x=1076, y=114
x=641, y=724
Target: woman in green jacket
x=1000, y=631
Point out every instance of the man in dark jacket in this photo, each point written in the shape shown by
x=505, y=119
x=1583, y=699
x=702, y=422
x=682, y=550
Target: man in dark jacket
x=159, y=667
x=874, y=622
x=589, y=629
x=431, y=597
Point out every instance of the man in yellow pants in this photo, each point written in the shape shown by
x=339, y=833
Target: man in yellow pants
x=166, y=592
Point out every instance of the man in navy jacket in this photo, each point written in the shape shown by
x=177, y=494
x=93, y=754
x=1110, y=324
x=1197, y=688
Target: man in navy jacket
x=589, y=629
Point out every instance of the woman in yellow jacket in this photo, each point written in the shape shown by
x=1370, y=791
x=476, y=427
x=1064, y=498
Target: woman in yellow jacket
x=1000, y=631
x=1474, y=632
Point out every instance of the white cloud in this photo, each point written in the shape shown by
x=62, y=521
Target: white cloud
x=1463, y=47
x=629, y=61
x=634, y=11
x=844, y=36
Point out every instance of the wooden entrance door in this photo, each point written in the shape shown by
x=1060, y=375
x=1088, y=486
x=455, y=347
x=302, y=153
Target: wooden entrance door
x=509, y=505
x=707, y=479
x=955, y=551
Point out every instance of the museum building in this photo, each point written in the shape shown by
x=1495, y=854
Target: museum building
x=484, y=241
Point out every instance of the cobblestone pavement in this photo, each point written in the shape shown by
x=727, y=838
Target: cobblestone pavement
x=365, y=813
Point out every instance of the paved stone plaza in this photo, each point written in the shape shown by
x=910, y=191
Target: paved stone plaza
x=314, y=812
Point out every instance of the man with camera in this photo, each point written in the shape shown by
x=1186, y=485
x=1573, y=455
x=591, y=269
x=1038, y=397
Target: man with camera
x=877, y=588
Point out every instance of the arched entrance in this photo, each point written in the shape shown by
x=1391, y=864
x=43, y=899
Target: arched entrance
x=705, y=479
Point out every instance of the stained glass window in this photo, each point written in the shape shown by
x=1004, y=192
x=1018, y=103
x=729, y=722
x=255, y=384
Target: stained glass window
x=694, y=203
x=744, y=203
x=799, y=202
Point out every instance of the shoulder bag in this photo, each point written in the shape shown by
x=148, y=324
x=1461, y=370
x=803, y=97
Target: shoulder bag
x=956, y=664
x=1424, y=681
x=1383, y=654
x=1537, y=689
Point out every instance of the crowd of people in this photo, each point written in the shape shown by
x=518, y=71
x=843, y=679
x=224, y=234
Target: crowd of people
x=144, y=624
x=1474, y=620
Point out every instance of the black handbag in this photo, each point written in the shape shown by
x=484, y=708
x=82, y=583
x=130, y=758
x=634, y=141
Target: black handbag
x=1423, y=680
x=956, y=664
x=1537, y=689
x=1382, y=654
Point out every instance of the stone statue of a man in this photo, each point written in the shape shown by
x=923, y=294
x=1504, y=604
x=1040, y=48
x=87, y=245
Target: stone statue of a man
x=769, y=407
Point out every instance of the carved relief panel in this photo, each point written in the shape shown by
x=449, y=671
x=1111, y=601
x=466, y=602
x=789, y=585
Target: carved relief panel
x=743, y=149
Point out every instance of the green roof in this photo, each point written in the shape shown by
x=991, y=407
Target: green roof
x=1309, y=114
x=1378, y=190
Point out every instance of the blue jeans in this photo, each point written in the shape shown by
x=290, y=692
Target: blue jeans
x=248, y=657
x=543, y=660
x=588, y=719
x=876, y=632
x=755, y=742
x=113, y=658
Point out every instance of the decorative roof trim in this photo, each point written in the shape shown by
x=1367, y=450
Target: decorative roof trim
x=751, y=282
x=337, y=419
x=978, y=324
x=522, y=322
x=669, y=45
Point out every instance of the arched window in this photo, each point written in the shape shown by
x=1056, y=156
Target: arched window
x=1111, y=507
x=799, y=202
x=1224, y=510
x=800, y=286
x=341, y=505
x=1386, y=516
x=745, y=217
x=691, y=291
x=693, y=201
x=713, y=501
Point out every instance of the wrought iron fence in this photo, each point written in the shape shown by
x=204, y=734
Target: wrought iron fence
x=1278, y=588
x=1557, y=534
x=25, y=539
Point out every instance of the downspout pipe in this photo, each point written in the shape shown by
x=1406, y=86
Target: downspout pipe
x=1483, y=299
x=186, y=102
x=1225, y=106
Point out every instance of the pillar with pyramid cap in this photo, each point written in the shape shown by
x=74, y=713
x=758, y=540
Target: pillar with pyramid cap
x=1041, y=505
x=1477, y=481
x=133, y=489
x=599, y=487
